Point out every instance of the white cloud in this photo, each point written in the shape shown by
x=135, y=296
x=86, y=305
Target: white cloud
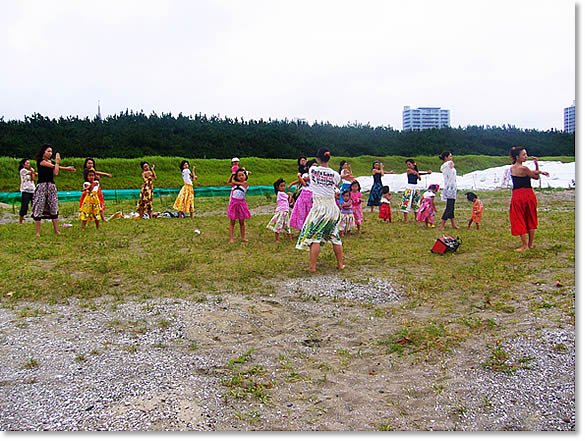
x=492, y=62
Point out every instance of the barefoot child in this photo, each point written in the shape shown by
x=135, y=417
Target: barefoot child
x=477, y=210
x=427, y=209
x=90, y=163
x=347, y=220
x=184, y=202
x=281, y=221
x=238, y=209
x=356, y=204
x=385, y=211
x=90, y=201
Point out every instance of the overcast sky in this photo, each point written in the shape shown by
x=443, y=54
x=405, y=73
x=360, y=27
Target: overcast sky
x=489, y=62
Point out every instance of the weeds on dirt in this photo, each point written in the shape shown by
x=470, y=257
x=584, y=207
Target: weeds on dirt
x=415, y=338
x=247, y=382
x=31, y=363
x=499, y=361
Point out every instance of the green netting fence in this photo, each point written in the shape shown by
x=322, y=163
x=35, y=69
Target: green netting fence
x=13, y=198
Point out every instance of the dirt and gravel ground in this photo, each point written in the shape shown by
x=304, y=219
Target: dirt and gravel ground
x=306, y=355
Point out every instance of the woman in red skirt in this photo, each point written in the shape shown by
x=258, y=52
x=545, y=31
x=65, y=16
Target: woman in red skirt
x=523, y=216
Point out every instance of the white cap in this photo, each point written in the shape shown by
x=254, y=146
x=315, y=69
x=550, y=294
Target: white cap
x=235, y=159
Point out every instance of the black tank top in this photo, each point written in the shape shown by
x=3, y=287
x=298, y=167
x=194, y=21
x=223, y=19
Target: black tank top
x=521, y=182
x=412, y=178
x=45, y=173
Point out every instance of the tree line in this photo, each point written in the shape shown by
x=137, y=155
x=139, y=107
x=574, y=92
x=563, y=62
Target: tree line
x=132, y=134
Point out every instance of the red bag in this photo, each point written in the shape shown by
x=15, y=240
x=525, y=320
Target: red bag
x=446, y=243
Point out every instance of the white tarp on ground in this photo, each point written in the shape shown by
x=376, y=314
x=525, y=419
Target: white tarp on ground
x=562, y=175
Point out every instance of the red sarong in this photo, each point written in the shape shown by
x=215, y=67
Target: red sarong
x=523, y=215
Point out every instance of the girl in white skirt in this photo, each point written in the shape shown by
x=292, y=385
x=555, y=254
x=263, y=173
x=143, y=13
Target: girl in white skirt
x=281, y=220
x=321, y=223
x=347, y=220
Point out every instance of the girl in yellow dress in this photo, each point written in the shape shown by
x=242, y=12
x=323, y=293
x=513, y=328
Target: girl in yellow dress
x=185, y=200
x=90, y=203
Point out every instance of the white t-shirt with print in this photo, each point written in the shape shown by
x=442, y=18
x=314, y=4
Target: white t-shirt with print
x=324, y=181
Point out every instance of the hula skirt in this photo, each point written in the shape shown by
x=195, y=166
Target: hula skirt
x=185, y=199
x=301, y=209
x=321, y=224
x=523, y=211
x=90, y=207
x=425, y=213
x=238, y=209
x=375, y=195
x=346, y=222
x=45, y=203
x=146, y=197
x=279, y=222
x=410, y=200
x=385, y=211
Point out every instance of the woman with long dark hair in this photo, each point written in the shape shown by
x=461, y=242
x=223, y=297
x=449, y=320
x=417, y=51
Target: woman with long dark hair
x=45, y=202
x=523, y=205
x=376, y=190
x=411, y=196
x=449, y=193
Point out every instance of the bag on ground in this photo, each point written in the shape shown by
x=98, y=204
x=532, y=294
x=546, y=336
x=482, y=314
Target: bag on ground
x=445, y=244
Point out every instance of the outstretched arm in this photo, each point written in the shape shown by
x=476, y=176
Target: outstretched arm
x=99, y=173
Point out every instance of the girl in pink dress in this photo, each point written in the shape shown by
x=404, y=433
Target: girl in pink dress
x=238, y=209
x=427, y=210
x=304, y=202
x=356, y=204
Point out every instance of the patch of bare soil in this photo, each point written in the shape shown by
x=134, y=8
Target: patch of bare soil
x=310, y=354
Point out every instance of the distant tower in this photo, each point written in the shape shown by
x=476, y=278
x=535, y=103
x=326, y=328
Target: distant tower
x=99, y=111
x=425, y=118
x=569, y=113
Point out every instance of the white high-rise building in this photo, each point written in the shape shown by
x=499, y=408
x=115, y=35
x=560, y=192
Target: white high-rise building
x=570, y=118
x=425, y=118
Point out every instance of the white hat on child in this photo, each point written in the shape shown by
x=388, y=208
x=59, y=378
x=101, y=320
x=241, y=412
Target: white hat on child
x=235, y=159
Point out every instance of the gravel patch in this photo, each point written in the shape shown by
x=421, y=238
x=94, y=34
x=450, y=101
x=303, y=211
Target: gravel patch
x=540, y=396
x=375, y=291
x=159, y=365
x=105, y=370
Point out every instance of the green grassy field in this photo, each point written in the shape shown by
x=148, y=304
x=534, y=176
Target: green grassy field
x=215, y=172
x=164, y=257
